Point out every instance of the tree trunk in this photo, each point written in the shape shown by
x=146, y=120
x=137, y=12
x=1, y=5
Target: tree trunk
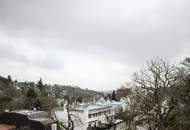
x=161, y=126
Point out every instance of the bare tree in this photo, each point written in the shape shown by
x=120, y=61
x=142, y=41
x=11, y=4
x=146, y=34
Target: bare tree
x=71, y=119
x=69, y=125
x=156, y=80
x=186, y=62
x=182, y=95
x=132, y=111
x=110, y=120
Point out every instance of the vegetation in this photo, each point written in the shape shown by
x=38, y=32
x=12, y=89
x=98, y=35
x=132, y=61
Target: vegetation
x=160, y=99
x=157, y=99
x=113, y=97
x=10, y=98
x=29, y=95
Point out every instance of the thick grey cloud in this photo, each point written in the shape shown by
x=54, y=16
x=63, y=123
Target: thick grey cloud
x=7, y=52
x=93, y=43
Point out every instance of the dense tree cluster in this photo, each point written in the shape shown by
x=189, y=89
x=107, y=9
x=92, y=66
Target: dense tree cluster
x=10, y=98
x=29, y=95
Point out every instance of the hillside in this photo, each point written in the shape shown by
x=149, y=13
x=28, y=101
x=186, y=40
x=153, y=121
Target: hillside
x=57, y=91
x=29, y=95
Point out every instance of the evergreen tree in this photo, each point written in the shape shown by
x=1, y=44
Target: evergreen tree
x=31, y=93
x=31, y=97
x=41, y=88
x=38, y=104
x=40, y=85
x=9, y=78
x=113, y=96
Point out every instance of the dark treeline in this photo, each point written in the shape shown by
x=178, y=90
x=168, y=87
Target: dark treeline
x=159, y=97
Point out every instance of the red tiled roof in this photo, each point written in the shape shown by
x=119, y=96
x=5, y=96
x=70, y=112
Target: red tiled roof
x=6, y=127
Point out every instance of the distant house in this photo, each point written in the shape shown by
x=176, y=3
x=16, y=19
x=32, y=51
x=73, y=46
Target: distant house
x=28, y=120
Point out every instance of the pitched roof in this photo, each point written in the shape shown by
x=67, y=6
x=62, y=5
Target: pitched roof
x=40, y=116
x=6, y=127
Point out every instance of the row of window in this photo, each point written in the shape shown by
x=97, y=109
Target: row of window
x=99, y=114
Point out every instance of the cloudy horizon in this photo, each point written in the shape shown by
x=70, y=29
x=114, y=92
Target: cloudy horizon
x=94, y=44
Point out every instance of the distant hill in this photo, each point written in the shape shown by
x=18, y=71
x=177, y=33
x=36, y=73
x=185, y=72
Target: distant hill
x=57, y=91
x=63, y=90
x=14, y=94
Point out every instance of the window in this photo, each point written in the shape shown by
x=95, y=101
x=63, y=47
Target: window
x=89, y=116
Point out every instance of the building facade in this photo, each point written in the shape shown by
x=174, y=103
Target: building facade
x=87, y=115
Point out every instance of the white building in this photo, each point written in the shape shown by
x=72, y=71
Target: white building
x=89, y=114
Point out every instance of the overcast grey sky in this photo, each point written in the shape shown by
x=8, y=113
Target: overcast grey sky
x=95, y=44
